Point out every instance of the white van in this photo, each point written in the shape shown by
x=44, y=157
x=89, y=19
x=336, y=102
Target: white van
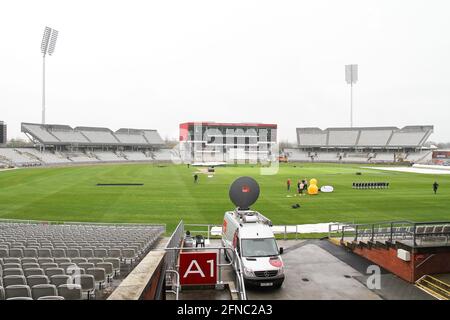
x=251, y=234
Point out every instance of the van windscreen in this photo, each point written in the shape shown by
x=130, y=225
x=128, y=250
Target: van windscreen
x=259, y=247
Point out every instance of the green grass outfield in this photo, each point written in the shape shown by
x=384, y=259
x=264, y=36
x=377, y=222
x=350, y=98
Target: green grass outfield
x=169, y=194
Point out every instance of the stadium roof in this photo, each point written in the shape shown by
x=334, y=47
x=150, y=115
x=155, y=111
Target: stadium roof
x=228, y=124
x=364, y=137
x=57, y=134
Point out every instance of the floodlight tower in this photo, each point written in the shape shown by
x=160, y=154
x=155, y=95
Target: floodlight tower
x=351, y=76
x=47, y=46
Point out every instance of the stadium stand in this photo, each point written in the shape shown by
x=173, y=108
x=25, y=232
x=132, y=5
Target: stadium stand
x=153, y=137
x=60, y=145
x=384, y=157
x=81, y=157
x=419, y=156
x=109, y=156
x=100, y=136
x=51, y=135
x=24, y=157
x=163, y=155
x=136, y=156
x=409, y=136
x=342, y=137
x=17, y=158
x=44, y=156
x=362, y=145
x=412, y=136
x=66, y=134
x=413, y=251
x=375, y=137
x=40, y=133
x=313, y=137
x=131, y=136
x=411, y=233
x=32, y=266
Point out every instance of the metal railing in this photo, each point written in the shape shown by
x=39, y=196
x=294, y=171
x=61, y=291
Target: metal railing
x=174, y=283
x=174, y=247
x=240, y=283
x=384, y=228
x=392, y=230
x=208, y=230
x=171, y=260
x=200, y=229
x=336, y=228
x=235, y=262
x=175, y=244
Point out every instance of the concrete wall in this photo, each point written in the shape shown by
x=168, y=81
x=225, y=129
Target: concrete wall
x=435, y=263
x=143, y=281
x=431, y=262
x=387, y=258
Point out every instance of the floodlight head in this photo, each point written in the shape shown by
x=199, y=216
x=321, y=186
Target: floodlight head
x=52, y=44
x=351, y=73
x=49, y=41
x=45, y=39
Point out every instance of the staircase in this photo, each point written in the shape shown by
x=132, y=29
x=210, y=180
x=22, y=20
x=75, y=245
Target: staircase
x=435, y=287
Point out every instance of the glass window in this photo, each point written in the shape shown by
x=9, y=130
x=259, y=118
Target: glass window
x=259, y=247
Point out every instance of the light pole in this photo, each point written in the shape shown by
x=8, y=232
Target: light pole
x=351, y=76
x=47, y=46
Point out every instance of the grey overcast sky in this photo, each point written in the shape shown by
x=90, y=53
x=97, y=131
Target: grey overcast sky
x=155, y=64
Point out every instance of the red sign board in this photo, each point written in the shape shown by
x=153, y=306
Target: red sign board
x=198, y=268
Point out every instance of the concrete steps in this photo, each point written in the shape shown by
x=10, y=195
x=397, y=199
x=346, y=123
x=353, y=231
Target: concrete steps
x=435, y=287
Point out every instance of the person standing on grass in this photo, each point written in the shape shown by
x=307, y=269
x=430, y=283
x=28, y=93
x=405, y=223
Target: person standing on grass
x=435, y=187
x=195, y=178
x=300, y=189
x=288, y=183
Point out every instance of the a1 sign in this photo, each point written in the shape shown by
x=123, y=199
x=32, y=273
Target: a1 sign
x=198, y=268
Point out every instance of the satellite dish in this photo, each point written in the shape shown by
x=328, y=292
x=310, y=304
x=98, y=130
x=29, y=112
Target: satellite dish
x=244, y=192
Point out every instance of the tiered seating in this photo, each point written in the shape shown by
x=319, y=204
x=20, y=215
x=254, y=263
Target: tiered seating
x=131, y=136
x=326, y=156
x=108, y=156
x=384, y=157
x=51, y=135
x=409, y=136
x=375, y=137
x=311, y=137
x=17, y=157
x=70, y=136
x=425, y=156
x=163, y=155
x=153, y=137
x=39, y=132
x=341, y=137
x=297, y=155
x=136, y=156
x=68, y=261
x=424, y=233
x=81, y=157
x=353, y=157
x=361, y=145
x=45, y=156
x=99, y=136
